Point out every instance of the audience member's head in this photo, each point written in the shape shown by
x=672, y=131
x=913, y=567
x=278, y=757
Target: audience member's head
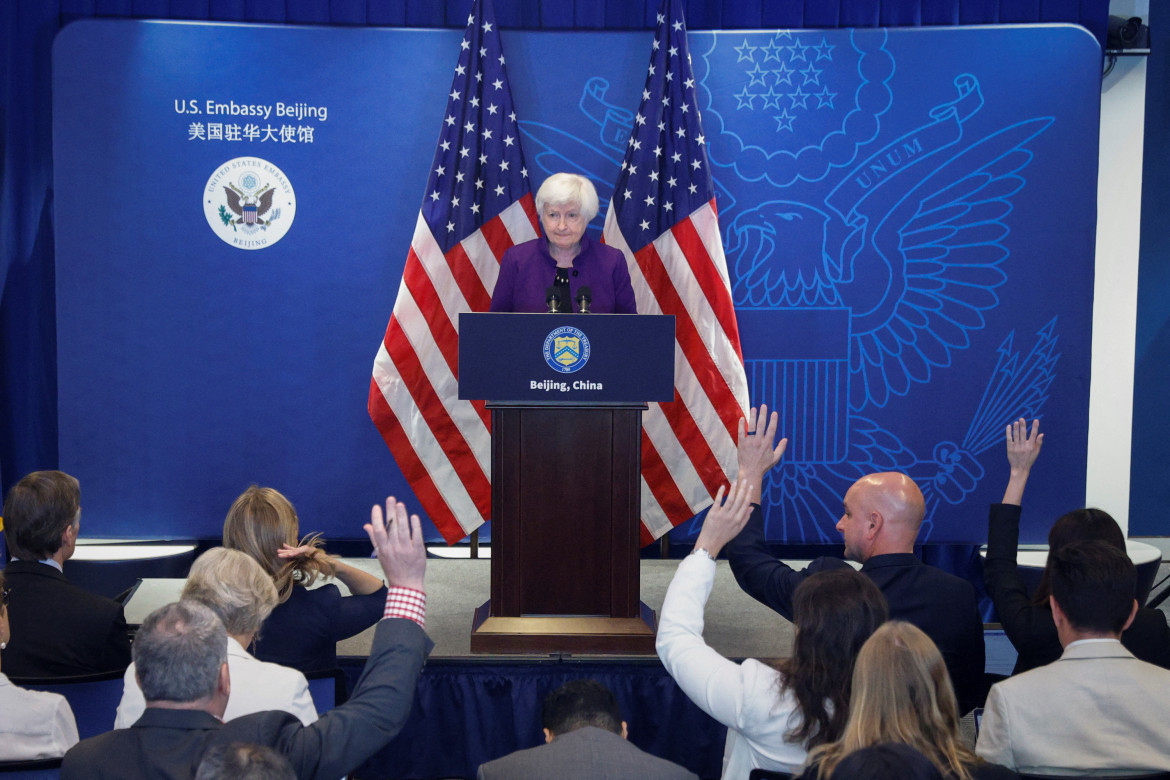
x=235, y=587
x=42, y=513
x=901, y=693
x=179, y=652
x=580, y=703
x=887, y=761
x=1093, y=587
x=883, y=513
x=834, y=612
x=1079, y=525
x=244, y=761
x=262, y=521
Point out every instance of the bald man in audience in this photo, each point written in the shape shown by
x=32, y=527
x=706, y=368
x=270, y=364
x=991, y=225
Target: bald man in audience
x=882, y=516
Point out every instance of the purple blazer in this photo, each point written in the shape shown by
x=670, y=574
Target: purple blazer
x=527, y=270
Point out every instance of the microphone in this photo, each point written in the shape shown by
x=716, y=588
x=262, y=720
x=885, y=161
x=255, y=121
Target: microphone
x=584, y=298
x=552, y=297
x=557, y=296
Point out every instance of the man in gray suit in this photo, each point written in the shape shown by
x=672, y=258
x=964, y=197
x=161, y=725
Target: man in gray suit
x=1096, y=709
x=585, y=738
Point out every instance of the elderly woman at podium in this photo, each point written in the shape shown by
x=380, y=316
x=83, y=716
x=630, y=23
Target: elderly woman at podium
x=564, y=261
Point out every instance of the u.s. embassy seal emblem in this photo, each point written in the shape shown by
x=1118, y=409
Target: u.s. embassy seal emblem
x=566, y=349
x=249, y=203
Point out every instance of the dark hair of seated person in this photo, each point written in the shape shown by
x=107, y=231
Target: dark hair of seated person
x=1079, y=525
x=887, y=761
x=37, y=510
x=244, y=761
x=580, y=703
x=834, y=612
x=1094, y=585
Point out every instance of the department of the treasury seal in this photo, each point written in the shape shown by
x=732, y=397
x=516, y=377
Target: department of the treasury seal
x=566, y=349
x=249, y=203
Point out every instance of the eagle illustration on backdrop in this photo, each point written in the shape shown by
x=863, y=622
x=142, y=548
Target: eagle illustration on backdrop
x=249, y=209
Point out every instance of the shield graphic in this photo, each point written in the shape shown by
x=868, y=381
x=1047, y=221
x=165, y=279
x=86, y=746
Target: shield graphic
x=567, y=350
x=250, y=214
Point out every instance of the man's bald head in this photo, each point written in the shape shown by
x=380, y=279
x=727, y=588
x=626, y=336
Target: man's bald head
x=883, y=513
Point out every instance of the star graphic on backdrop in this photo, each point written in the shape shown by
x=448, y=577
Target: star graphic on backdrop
x=745, y=51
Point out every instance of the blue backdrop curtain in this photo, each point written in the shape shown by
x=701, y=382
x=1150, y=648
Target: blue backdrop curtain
x=28, y=379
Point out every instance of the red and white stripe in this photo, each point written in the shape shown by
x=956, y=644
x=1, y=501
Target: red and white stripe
x=442, y=444
x=688, y=446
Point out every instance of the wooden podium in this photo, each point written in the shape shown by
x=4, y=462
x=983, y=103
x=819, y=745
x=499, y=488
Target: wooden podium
x=566, y=394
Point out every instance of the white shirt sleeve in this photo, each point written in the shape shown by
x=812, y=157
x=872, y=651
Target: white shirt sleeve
x=133, y=704
x=718, y=686
x=302, y=705
x=64, y=727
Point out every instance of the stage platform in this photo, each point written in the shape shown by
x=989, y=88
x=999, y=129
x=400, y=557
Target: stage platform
x=737, y=625
x=473, y=708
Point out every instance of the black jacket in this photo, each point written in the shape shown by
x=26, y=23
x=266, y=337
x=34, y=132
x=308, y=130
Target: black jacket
x=942, y=605
x=1029, y=626
x=59, y=629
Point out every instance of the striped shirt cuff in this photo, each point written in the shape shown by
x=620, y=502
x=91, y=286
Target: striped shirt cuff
x=406, y=603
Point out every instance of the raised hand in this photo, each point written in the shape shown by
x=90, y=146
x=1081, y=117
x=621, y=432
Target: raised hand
x=1022, y=447
x=725, y=519
x=398, y=543
x=754, y=453
x=1022, y=450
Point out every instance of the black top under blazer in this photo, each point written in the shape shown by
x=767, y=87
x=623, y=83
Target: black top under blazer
x=1029, y=626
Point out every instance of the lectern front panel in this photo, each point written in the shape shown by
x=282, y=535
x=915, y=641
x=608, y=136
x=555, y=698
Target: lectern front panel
x=565, y=521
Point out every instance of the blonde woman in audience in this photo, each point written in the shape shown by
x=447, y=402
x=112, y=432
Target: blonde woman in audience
x=306, y=625
x=242, y=595
x=33, y=724
x=902, y=694
x=773, y=714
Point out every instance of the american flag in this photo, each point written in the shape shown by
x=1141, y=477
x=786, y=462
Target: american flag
x=663, y=217
x=477, y=204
